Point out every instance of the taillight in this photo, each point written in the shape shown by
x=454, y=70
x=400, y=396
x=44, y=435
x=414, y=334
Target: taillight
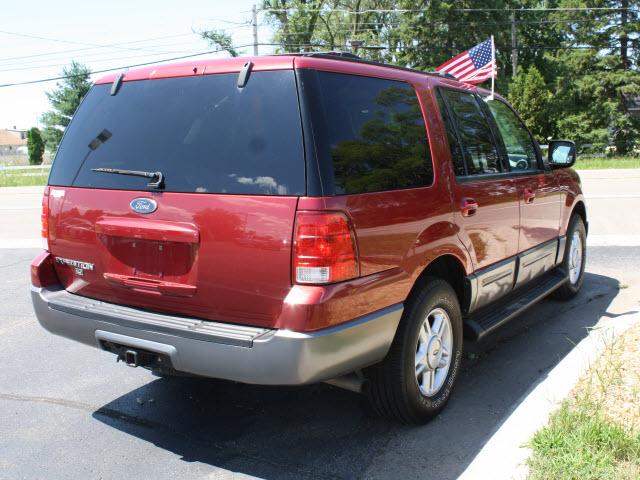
x=43, y=272
x=44, y=219
x=324, y=248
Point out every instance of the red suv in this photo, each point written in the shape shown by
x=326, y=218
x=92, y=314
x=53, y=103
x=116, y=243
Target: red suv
x=302, y=218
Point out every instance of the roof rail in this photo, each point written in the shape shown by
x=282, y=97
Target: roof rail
x=443, y=74
x=345, y=55
x=350, y=57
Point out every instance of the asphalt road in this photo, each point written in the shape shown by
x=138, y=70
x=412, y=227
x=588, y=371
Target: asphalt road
x=69, y=411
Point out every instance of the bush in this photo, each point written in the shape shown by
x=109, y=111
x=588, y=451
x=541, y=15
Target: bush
x=35, y=145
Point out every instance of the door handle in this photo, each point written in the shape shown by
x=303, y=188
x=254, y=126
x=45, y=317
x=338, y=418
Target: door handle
x=529, y=195
x=468, y=207
x=151, y=286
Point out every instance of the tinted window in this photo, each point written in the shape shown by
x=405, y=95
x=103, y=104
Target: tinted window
x=373, y=133
x=515, y=136
x=478, y=148
x=454, y=145
x=202, y=132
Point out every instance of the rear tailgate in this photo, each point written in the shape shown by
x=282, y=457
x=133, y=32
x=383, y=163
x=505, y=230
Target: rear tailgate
x=215, y=242
x=219, y=257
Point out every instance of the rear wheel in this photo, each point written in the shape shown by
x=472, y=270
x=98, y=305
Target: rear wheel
x=414, y=381
x=575, y=256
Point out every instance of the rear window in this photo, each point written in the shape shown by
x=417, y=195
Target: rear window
x=203, y=133
x=371, y=131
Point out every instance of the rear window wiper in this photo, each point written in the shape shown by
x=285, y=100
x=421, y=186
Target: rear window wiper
x=157, y=177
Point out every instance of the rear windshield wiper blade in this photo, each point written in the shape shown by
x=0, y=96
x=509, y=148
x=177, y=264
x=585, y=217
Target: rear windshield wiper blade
x=157, y=177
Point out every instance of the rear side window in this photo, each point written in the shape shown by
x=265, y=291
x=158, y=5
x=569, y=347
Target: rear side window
x=474, y=134
x=373, y=133
x=454, y=145
x=202, y=132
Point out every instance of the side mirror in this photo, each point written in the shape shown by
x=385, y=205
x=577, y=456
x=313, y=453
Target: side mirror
x=562, y=153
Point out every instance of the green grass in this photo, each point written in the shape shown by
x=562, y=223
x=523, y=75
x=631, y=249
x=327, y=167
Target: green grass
x=607, y=162
x=591, y=437
x=23, y=178
x=579, y=443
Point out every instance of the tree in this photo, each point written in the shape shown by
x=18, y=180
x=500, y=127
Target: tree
x=64, y=100
x=221, y=40
x=35, y=146
x=531, y=97
x=361, y=26
x=590, y=79
x=296, y=22
x=586, y=58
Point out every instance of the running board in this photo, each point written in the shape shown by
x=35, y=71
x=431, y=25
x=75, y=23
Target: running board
x=488, y=318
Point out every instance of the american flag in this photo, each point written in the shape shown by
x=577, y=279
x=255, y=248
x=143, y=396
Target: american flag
x=473, y=66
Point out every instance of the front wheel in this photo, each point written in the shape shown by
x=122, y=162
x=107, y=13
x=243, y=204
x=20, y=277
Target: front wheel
x=575, y=258
x=414, y=381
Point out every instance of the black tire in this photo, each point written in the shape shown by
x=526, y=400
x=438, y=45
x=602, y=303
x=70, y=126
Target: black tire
x=393, y=390
x=571, y=288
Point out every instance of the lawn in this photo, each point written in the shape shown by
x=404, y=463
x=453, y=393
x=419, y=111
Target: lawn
x=23, y=178
x=586, y=163
x=596, y=433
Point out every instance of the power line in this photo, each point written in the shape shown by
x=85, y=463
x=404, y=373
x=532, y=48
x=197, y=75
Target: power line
x=418, y=10
x=285, y=45
x=94, y=45
x=124, y=67
x=92, y=56
x=444, y=23
x=94, y=48
x=246, y=23
x=101, y=60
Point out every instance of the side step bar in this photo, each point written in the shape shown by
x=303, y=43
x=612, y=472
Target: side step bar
x=487, y=319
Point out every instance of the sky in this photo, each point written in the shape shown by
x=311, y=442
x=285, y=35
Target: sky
x=101, y=35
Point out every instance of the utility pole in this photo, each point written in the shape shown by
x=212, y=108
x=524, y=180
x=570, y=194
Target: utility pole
x=254, y=22
x=514, y=49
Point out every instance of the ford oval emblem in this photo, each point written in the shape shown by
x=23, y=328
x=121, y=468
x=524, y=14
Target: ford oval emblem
x=143, y=205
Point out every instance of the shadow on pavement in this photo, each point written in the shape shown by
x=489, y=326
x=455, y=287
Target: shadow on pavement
x=320, y=431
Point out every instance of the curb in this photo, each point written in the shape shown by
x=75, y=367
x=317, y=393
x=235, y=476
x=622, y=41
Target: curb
x=504, y=455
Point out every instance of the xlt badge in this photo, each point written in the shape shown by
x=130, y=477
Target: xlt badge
x=78, y=266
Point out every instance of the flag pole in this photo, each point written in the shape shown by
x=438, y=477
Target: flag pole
x=493, y=66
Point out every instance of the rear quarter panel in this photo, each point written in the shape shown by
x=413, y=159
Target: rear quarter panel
x=399, y=233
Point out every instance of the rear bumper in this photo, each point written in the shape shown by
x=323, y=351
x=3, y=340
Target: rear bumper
x=219, y=350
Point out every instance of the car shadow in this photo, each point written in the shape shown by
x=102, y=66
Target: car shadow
x=320, y=431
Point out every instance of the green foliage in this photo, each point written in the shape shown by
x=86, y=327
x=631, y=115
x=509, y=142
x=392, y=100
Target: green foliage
x=589, y=82
x=35, y=146
x=23, y=178
x=64, y=100
x=584, y=163
x=579, y=443
x=361, y=26
x=589, y=93
x=532, y=99
x=220, y=39
x=573, y=66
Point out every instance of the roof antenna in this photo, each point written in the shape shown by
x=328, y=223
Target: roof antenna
x=115, y=86
x=243, y=77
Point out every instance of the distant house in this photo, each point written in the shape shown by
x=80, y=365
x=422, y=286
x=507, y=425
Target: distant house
x=13, y=141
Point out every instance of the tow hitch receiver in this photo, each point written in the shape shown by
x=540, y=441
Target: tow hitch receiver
x=134, y=357
x=131, y=358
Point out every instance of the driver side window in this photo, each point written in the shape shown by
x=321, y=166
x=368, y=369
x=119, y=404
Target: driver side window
x=521, y=151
